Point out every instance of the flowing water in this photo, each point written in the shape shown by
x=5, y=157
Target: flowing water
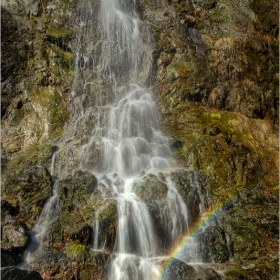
x=113, y=69
x=39, y=233
x=131, y=142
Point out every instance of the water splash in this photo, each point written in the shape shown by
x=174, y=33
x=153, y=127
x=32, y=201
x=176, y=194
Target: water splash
x=39, y=233
x=130, y=141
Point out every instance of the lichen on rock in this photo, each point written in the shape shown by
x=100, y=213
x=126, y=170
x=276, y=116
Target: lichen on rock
x=214, y=71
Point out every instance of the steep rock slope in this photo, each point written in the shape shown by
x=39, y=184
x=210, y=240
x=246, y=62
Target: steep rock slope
x=215, y=77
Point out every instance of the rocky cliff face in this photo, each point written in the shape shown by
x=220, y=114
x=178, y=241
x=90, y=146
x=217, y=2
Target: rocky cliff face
x=215, y=76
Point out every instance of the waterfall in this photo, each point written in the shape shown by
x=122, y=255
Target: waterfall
x=39, y=233
x=128, y=137
x=111, y=84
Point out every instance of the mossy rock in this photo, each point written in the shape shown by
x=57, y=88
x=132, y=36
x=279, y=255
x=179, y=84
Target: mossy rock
x=251, y=222
x=192, y=187
x=38, y=155
x=29, y=189
x=242, y=144
x=86, y=264
x=177, y=269
x=41, y=116
x=75, y=250
x=59, y=33
x=26, y=183
x=108, y=224
x=77, y=188
x=235, y=167
x=249, y=271
x=75, y=192
x=214, y=245
x=72, y=223
x=150, y=188
x=55, y=113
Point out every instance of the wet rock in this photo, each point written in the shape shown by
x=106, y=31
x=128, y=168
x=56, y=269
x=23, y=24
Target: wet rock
x=176, y=144
x=29, y=191
x=191, y=186
x=14, y=235
x=7, y=258
x=7, y=209
x=252, y=223
x=108, y=217
x=177, y=269
x=82, y=205
x=85, y=266
x=13, y=62
x=92, y=159
x=213, y=245
x=67, y=159
x=13, y=273
x=4, y=160
x=76, y=188
x=74, y=192
x=153, y=192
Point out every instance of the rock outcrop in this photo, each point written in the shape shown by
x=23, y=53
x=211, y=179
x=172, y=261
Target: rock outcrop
x=12, y=273
x=215, y=75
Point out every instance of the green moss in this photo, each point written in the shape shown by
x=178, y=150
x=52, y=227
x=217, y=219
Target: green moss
x=75, y=250
x=58, y=114
x=163, y=42
x=150, y=188
x=52, y=110
x=178, y=69
x=37, y=155
x=225, y=121
x=108, y=213
x=59, y=33
x=217, y=15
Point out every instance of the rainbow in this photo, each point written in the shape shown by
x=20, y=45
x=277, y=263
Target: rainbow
x=177, y=249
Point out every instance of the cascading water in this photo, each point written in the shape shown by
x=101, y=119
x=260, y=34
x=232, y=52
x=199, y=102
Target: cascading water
x=131, y=142
x=111, y=75
x=39, y=234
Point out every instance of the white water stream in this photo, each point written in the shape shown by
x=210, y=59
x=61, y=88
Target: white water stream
x=39, y=234
x=130, y=142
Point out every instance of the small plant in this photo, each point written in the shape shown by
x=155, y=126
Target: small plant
x=75, y=249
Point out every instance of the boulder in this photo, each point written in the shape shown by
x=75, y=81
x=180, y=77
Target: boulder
x=213, y=245
x=81, y=204
x=153, y=192
x=177, y=269
x=76, y=212
x=191, y=186
x=7, y=259
x=14, y=234
x=29, y=191
x=13, y=273
x=83, y=265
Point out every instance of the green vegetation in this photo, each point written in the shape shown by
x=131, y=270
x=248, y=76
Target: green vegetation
x=75, y=250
